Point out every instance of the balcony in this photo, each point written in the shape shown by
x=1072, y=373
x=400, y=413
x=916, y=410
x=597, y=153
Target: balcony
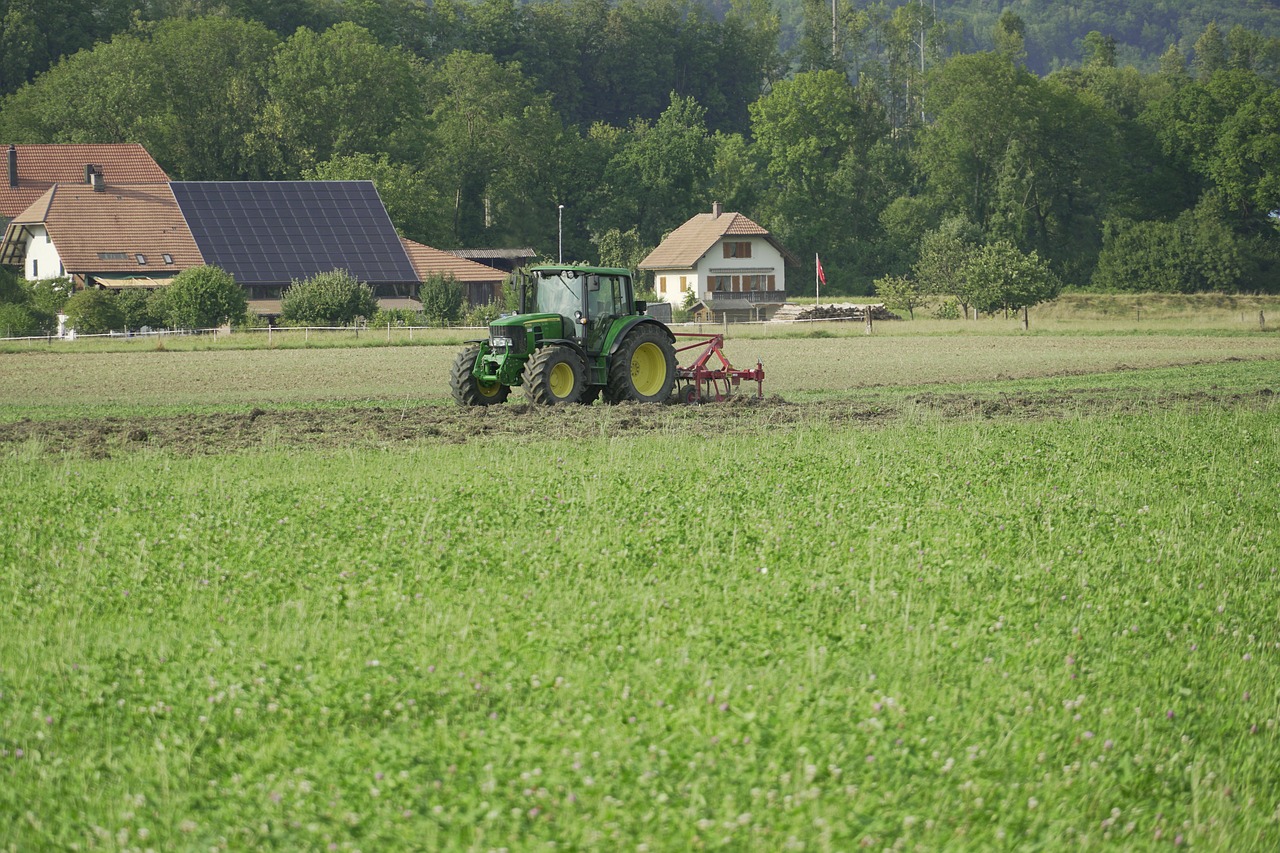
x=754, y=296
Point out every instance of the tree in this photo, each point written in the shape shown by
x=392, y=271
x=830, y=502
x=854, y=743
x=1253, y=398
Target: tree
x=338, y=92
x=203, y=297
x=93, y=312
x=901, y=293
x=1000, y=277
x=140, y=307
x=328, y=298
x=18, y=320
x=1210, y=52
x=441, y=298
x=1099, y=50
x=943, y=253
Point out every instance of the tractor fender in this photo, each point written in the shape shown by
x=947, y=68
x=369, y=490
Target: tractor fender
x=570, y=343
x=626, y=328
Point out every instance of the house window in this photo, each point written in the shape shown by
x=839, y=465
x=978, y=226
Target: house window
x=35, y=268
x=719, y=283
x=662, y=284
x=737, y=250
x=142, y=260
x=48, y=238
x=684, y=284
x=754, y=282
x=168, y=258
x=113, y=256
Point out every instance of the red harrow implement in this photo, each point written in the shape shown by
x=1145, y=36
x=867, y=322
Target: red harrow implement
x=702, y=383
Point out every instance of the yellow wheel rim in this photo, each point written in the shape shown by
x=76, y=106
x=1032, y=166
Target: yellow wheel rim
x=648, y=369
x=561, y=380
x=488, y=389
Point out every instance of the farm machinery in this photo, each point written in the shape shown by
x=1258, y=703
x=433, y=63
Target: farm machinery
x=580, y=335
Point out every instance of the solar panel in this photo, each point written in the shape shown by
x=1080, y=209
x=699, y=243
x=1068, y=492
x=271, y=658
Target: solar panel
x=273, y=232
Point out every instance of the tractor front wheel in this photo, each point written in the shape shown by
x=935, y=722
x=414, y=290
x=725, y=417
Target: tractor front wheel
x=644, y=367
x=554, y=374
x=468, y=389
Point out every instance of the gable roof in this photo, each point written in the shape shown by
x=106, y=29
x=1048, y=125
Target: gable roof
x=120, y=223
x=686, y=245
x=268, y=232
x=428, y=262
x=39, y=167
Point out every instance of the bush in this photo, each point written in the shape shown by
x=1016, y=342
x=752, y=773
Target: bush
x=18, y=321
x=901, y=293
x=93, y=312
x=332, y=298
x=482, y=315
x=12, y=291
x=49, y=295
x=397, y=317
x=201, y=298
x=141, y=307
x=441, y=298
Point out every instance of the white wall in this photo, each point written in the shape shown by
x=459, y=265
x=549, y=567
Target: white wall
x=764, y=260
x=43, y=260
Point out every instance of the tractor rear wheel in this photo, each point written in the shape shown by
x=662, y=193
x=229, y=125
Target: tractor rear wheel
x=554, y=374
x=644, y=367
x=467, y=389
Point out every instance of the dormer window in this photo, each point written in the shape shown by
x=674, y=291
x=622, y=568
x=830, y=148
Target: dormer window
x=142, y=260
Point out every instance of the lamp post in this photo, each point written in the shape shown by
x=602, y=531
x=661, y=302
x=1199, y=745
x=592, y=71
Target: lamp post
x=560, y=231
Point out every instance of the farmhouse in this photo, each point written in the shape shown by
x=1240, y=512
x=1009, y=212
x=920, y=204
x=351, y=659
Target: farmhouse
x=734, y=268
x=30, y=171
x=482, y=284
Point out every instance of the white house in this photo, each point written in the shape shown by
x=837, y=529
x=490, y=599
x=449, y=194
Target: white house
x=734, y=268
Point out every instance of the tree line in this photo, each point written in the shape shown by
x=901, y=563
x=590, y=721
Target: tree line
x=476, y=121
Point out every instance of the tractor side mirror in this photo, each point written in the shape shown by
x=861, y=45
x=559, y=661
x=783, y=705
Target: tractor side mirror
x=641, y=306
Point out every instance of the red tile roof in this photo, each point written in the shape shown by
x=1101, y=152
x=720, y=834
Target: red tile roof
x=686, y=245
x=42, y=166
x=128, y=220
x=428, y=262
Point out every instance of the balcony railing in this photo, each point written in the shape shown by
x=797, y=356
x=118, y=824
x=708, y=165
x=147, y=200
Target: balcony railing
x=751, y=295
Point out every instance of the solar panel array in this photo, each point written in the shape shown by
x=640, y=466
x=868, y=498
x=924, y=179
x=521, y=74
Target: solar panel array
x=273, y=232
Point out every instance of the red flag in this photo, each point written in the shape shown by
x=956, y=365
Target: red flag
x=822, y=276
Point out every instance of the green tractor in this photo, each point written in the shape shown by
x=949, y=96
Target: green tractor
x=580, y=334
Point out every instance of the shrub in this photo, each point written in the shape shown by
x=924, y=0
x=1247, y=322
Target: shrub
x=441, y=298
x=140, y=308
x=901, y=293
x=482, y=315
x=333, y=298
x=397, y=317
x=203, y=297
x=93, y=312
x=49, y=295
x=18, y=320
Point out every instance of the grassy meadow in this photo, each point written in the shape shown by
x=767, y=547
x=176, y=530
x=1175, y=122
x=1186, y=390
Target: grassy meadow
x=1010, y=628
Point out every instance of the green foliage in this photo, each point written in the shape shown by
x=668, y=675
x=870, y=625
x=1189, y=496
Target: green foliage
x=93, y=312
x=12, y=287
x=397, y=317
x=901, y=293
x=139, y=307
x=998, y=277
x=1196, y=252
x=18, y=320
x=442, y=298
x=481, y=315
x=49, y=295
x=332, y=298
x=201, y=298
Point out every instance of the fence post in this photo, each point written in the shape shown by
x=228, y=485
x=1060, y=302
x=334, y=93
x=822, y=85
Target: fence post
x=388, y=331
x=1262, y=321
x=268, y=336
x=1026, y=319
x=867, y=311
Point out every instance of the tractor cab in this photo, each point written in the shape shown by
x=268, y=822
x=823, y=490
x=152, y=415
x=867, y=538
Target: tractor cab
x=588, y=301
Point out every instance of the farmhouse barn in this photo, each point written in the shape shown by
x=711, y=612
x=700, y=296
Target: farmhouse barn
x=101, y=233
x=734, y=268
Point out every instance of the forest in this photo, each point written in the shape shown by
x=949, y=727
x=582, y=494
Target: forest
x=1127, y=145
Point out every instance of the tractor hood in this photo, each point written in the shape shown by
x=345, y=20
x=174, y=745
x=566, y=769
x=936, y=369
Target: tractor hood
x=526, y=331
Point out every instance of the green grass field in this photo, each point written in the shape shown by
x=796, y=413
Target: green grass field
x=963, y=592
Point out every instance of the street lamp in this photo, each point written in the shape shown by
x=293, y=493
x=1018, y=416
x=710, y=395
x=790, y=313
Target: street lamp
x=560, y=232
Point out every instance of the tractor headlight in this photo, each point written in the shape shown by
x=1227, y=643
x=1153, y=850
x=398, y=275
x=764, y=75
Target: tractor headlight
x=496, y=341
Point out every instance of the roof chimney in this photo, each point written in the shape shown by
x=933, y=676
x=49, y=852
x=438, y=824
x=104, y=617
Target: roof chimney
x=95, y=178
x=88, y=173
x=13, y=166
x=716, y=210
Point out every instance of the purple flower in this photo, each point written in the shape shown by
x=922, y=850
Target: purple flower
x=1169, y=714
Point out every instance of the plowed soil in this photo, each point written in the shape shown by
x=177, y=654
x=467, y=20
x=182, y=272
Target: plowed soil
x=374, y=426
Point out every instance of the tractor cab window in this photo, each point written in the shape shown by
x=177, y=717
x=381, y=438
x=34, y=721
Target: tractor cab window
x=605, y=297
x=558, y=294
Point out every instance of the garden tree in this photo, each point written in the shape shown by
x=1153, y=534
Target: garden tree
x=335, y=93
x=48, y=296
x=901, y=293
x=411, y=201
x=333, y=298
x=442, y=298
x=202, y=298
x=18, y=320
x=943, y=252
x=1210, y=52
x=140, y=307
x=998, y=277
x=93, y=312
x=820, y=141
x=658, y=179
